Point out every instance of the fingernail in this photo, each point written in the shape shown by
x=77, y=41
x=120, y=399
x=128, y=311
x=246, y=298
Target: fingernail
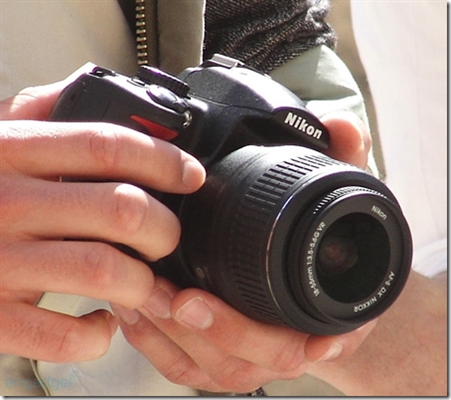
x=192, y=177
x=159, y=304
x=195, y=313
x=333, y=352
x=127, y=315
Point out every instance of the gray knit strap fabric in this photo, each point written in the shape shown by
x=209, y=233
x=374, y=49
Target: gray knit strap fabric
x=266, y=33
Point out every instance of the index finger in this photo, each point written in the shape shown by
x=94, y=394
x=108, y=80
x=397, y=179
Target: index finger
x=99, y=151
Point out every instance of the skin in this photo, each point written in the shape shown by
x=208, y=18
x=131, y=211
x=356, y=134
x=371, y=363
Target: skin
x=192, y=337
x=37, y=211
x=405, y=355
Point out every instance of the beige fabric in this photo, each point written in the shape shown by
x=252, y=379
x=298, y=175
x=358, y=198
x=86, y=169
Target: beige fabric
x=322, y=80
x=181, y=31
x=45, y=41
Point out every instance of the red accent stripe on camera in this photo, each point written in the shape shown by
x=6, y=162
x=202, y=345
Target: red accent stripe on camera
x=154, y=129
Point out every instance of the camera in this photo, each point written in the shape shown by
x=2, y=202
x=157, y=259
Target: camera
x=280, y=231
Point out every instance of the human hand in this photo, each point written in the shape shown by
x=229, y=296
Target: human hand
x=406, y=354
x=195, y=339
x=38, y=213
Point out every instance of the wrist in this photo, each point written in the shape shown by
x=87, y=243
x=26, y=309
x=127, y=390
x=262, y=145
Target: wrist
x=406, y=352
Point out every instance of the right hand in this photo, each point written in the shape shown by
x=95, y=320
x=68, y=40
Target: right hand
x=38, y=213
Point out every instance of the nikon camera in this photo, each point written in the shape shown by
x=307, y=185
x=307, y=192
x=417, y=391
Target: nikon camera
x=283, y=233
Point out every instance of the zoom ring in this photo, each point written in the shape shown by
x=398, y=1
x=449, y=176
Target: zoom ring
x=251, y=224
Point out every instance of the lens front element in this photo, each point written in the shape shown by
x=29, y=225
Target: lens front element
x=337, y=252
x=353, y=257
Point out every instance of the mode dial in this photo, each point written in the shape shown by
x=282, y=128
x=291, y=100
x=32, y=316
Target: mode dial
x=154, y=76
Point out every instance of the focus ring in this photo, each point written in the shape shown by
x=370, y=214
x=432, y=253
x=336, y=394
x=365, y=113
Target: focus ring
x=329, y=198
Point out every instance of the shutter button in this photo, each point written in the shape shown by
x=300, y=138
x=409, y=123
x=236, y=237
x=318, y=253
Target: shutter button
x=166, y=98
x=164, y=89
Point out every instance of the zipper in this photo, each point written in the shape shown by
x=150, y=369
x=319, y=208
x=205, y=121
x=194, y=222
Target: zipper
x=141, y=31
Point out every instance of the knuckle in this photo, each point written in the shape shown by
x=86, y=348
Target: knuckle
x=289, y=358
x=104, y=147
x=131, y=209
x=10, y=200
x=173, y=239
x=102, y=266
x=236, y=375
x=181, y=371
x=30, y=91
x=63, y=345
x=295, y=373
x=179, y=375
x=190, y=378
x=67, y=341
x=19, y=200
x=70, y=339
x=10, y=108
x=139, y=336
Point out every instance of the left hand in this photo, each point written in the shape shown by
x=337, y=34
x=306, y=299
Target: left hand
x=195, y=339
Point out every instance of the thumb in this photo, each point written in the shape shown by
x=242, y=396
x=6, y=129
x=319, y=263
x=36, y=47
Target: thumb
x=328, y=348
x=350, y=140
x=36, y=103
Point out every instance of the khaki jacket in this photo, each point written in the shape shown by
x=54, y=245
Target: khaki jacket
x=172, y=41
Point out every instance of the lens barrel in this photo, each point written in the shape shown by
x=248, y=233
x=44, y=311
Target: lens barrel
x=290, y=236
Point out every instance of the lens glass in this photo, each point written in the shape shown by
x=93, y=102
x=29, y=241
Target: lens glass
x=352, y=257
x=337, y=254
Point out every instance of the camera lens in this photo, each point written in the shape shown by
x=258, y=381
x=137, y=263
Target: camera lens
x=352, y=257
x=290, y=236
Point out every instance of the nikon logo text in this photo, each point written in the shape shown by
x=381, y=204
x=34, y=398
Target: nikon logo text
x=302, y=125
x=379, y=212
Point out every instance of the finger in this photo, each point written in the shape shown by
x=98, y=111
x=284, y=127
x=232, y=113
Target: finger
x=164, y=354
x=112, y=212
x=97, y=150
x=328, y=348
x=350, y=141
x=228, y=369
x=40, y=334
x=278, y=349
x=36, y=102
x=85, y=268
x=192, y=361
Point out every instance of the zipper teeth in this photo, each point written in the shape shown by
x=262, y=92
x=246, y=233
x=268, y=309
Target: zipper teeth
x=141, y=31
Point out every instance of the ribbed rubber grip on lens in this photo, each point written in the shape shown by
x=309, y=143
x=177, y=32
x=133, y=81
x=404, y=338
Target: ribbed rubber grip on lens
x=248, y=236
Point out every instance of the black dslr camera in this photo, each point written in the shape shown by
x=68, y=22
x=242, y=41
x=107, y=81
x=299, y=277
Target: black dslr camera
x=280, y=231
